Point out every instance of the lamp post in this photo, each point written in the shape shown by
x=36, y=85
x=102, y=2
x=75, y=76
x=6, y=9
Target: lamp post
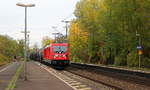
x=25, y=46
x=27, y=41
x=66, y=27
x=139, y=47
x=28, y=45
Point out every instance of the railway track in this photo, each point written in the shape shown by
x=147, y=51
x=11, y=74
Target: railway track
x=112, y=77
x=97, y=81
x=138, y=73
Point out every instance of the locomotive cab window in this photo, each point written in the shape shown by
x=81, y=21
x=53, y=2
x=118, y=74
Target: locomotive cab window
x=59, y=49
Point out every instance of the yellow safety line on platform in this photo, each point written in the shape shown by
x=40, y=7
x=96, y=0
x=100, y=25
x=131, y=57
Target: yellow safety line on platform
x=13, y=81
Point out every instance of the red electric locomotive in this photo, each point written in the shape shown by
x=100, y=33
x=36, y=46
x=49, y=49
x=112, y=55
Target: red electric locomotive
x=56, y=54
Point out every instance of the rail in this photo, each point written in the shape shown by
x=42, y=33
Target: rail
x=138, y=73
x=117, y=78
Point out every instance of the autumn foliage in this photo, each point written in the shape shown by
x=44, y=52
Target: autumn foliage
x=46, y=41
x=108, y=32
x=10, y=48
x=78, y=40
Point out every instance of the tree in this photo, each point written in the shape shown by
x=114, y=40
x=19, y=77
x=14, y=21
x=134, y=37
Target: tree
x=46, y=41
x=20, y=49
x=112, y=26
x=9, y=48
x=78, y=42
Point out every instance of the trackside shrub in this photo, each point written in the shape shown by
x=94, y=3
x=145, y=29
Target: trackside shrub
x=145, y=62
x=120, y=61
x=132, y=59
x=3, y=59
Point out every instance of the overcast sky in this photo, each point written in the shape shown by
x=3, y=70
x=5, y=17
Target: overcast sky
x=41, y=18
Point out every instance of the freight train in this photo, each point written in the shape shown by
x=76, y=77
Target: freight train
x=56, y=54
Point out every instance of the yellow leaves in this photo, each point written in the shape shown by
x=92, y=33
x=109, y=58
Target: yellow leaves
x=103, y=6
x=77, y=36
x=46, y=41
x=76, y=32
x=78, y=40
x=90, y=11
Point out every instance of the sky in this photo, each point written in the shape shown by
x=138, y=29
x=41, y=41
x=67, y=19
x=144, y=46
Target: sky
x=40, y=19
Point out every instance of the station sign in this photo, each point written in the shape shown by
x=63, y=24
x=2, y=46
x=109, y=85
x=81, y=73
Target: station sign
x=139, y=47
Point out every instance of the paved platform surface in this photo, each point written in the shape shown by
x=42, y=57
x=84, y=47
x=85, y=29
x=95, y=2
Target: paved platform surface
x=40, y=79
x=6, y=74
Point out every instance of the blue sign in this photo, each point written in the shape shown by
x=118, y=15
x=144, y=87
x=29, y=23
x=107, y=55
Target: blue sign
x=139, y=47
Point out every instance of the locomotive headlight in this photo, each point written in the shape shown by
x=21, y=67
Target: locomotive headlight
x=64, y=56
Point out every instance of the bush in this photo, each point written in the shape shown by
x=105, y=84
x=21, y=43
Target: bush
x=3, y=59
x=145, y=62
x=132, y=59
x=120, y=61
x=75, y=59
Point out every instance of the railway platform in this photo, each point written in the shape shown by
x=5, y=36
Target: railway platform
x=6, y=74
x=39, y=79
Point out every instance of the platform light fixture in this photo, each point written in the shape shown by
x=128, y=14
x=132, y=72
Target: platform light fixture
x=25, y=45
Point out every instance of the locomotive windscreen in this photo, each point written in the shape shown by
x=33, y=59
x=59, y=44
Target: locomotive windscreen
x=59, y=49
